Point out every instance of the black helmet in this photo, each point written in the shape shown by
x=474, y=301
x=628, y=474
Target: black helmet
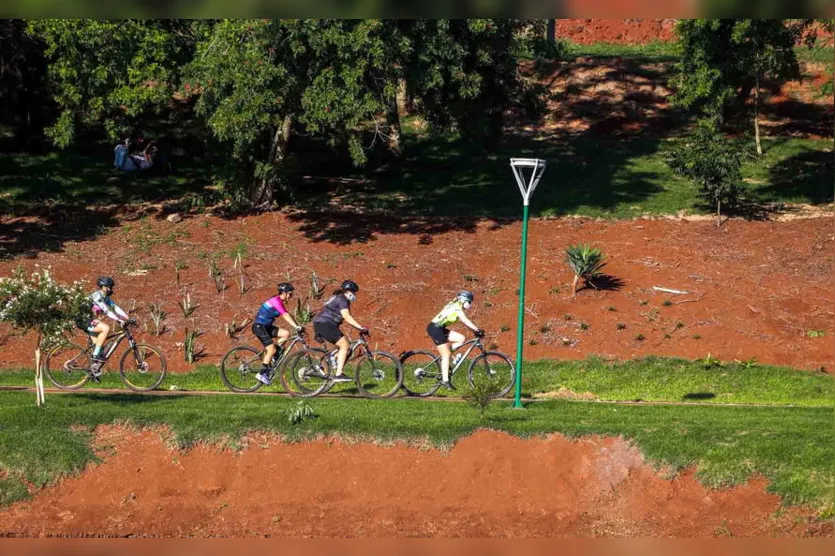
x=465, y=295
x=105, y=281
x=285, y=287
x=350, y=285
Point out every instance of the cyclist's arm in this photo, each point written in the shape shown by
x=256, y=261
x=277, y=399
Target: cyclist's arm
x=346, y=314
x=289, y=319
x=106, y=309
x=122, y=314
x=467, y=322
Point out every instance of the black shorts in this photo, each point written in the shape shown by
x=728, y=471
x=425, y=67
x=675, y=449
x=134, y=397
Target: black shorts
x=439, y=334
x=328, y=330
x=265, y=333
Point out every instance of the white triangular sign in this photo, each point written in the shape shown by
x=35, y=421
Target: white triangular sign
x=536, y=167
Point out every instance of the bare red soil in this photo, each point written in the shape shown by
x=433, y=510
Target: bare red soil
x=755, y=288
x=489, y=485
x=618, y=31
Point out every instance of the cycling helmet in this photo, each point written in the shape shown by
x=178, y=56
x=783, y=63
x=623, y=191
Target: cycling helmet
x=105, y=281
x=465, y=295
x=350, y=286
x=285, y=287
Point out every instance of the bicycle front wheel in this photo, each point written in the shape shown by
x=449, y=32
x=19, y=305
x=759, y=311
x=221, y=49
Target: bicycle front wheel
x=68, y=366
x=493, y=370
x=378, y=375
x=142, y=368
x=239, y=367
x=421, y=371
x=304, y=374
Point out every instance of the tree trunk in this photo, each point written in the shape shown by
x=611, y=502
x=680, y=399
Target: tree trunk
x=402, y=97
x=718, y=212
x=574, y=286
x=393, y=121
x=39, y=392
x=263, y=189
x=551, y=31
x=757, y=116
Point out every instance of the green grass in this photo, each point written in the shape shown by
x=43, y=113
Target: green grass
x=655, y=379
x=590, y=176
x=792, y=447
x=656, y=51
x=70, y=178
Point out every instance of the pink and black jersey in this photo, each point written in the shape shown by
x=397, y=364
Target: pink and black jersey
x=270, y=310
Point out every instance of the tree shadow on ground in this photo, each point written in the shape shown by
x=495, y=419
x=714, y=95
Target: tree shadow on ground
x=809, y=175
x=605, y=282
x=698, y=396
x=50, y=229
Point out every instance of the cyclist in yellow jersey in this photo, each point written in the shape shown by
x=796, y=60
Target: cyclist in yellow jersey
x=443, y=337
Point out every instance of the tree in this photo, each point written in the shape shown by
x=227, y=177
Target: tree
x=113, y=73
x=724, y=60
x=38, y=303
x=259, y=80
x=713, y=163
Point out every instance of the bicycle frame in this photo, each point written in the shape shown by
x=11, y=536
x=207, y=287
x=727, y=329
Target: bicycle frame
x=475, y=343
x=118, y=337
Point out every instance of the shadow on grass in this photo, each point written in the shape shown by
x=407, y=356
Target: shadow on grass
x=698, y=396
x=808, y=174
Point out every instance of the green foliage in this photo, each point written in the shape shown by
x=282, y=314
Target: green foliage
x=38, y=303
x=723, y=59
x=713, y=163
x=301, y=411
x=303, y=313
x=190, y=345
x=113, y=73
x=481, y=395
x=585, y=261
x=158, y=316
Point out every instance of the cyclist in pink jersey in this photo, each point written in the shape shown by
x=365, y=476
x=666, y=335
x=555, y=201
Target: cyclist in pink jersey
x=265, y=330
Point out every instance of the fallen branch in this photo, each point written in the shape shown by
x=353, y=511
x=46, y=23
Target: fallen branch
x=667, y=290
x=689, y=300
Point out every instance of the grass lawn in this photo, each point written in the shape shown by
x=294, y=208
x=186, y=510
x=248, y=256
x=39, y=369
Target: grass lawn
x=654, y=379
x=792, y=447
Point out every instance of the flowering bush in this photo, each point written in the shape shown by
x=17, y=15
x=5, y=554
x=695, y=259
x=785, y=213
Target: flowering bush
x=39, y=303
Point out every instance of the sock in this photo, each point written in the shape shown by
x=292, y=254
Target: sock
x=96, y=351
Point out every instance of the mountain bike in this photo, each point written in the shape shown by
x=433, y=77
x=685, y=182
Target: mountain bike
x=422, y=369
x=377, y=374
x=241, y=363
x=142, y=367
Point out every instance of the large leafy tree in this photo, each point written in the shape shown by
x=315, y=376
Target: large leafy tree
x=726, y=61
x=113, y=73
x=257, y=80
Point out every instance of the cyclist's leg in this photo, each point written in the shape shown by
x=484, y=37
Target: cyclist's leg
x=343, y=345
x=457, y=339
x=100, y=330
x=264, y=333
x=439, y=336
x=281, y=336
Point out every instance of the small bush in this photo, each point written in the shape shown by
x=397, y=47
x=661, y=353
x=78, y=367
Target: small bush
x=586, y=263
x=640, y=337
x=300, y=412
x=481, y=395
x=621, y=326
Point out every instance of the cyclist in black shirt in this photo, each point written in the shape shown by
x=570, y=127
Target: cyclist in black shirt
x=326, y=323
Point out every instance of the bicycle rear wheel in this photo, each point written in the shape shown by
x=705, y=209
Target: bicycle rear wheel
x=304, y=374
x=142, y=368
x=378, y=375
x=68, y=366
x=239, y=367
x=421, y=372
x=494, y=370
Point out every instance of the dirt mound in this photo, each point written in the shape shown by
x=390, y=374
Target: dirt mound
x=489, y=484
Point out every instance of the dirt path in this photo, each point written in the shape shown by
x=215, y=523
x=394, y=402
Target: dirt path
x=489, y=484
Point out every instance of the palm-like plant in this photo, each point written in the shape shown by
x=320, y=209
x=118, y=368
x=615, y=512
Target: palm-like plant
x=586, y=263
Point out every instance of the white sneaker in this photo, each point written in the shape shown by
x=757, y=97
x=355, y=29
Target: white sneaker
x=263, y=378
x=458, y=357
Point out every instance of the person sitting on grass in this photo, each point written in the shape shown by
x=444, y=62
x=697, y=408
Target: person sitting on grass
x=446, y=340
x=265, y=331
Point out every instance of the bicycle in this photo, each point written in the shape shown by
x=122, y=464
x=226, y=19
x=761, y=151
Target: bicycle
x=244, y=362
x=377, y=374
x=422, y=369
x=72, y=362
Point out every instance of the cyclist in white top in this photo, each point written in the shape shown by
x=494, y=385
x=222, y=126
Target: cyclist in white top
x=102, y=305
